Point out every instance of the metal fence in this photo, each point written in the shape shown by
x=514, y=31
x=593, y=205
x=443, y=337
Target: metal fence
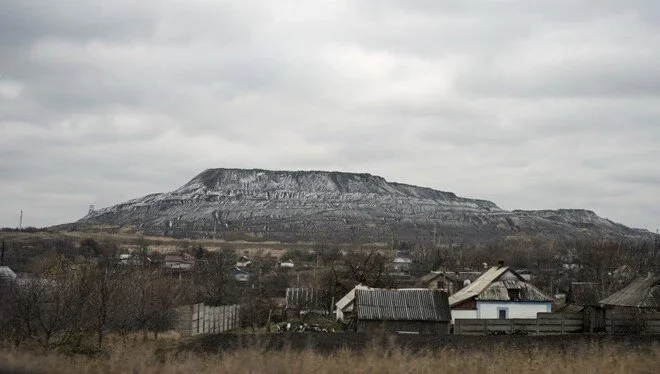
x=204, y=319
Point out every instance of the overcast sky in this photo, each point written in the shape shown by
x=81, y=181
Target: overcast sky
x=529, y=104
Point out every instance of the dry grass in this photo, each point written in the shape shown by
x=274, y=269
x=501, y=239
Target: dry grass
x=140, y=357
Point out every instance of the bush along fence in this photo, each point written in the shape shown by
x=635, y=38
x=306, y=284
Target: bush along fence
x=205, y=319
x=617, y=322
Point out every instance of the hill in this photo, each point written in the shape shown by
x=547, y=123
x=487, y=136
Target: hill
x=293, y=206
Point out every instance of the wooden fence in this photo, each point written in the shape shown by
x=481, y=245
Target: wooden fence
x=632, y=322
x=204, y=319
x=543, y=324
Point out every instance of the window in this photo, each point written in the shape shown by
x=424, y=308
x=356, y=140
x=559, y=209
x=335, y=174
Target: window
x=502, y=313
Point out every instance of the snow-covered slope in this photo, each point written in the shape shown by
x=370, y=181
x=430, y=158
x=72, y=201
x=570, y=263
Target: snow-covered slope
x=334, y=206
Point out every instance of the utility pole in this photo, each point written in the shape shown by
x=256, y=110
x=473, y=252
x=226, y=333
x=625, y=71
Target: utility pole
x=20, y=221
x=656, y=247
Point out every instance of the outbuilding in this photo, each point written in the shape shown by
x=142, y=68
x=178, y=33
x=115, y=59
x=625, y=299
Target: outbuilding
x=643, y=294
x=345, y=307
x=406, y=311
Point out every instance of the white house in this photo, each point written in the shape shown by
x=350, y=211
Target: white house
x=183, y=262
x=287, y=264
x=499, y=293
x=402, y=262
x=243, y=262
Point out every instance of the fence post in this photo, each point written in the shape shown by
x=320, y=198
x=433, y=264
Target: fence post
x=538, y=322
x=190, y=319
x=224, y=318
x=562, y=323
x=199, y=319
x=214, y=316
x=485, y=326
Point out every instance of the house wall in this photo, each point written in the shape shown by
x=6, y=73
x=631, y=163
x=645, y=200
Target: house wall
x=178, y=265
x=457, y=313
x=420, y=327
x=489, y=309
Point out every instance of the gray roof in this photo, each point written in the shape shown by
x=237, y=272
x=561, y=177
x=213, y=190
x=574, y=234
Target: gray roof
x=499, y=291
x=402, y=305
x=425, y=279
x=643, y=292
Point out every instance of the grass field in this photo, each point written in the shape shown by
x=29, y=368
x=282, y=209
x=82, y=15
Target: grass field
x=162, y=357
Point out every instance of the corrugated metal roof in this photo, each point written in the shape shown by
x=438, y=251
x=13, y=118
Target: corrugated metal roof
x=478, y=286
x=402, y=305
x=643, y=292
x=522, y=291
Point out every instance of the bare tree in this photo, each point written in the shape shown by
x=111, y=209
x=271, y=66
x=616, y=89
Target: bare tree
x=152, y=299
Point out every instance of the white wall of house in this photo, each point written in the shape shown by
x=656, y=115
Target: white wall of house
x=178, y=265
x=491, y=309
x=467, y=314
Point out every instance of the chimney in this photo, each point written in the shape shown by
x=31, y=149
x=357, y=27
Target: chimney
x=500, y=264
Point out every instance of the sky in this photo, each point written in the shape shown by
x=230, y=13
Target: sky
x=529, y=104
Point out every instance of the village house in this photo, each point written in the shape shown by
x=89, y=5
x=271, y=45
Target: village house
x=243, y=262
x=181, y=262
x=240, y=275
x=439, y=280
x=499, y=293
x=634, y=309
x=448, y=281
x=526, y=274
x=287, y=264
x=642, y=294
x=304, y=300
x=402, y=262
x=412, y=311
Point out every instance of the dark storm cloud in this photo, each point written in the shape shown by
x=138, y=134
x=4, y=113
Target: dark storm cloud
x=530, y=104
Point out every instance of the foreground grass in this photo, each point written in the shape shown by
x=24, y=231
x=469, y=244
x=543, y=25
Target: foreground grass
x=154, y=357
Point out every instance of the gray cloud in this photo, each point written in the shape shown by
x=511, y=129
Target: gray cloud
x=532, y=105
